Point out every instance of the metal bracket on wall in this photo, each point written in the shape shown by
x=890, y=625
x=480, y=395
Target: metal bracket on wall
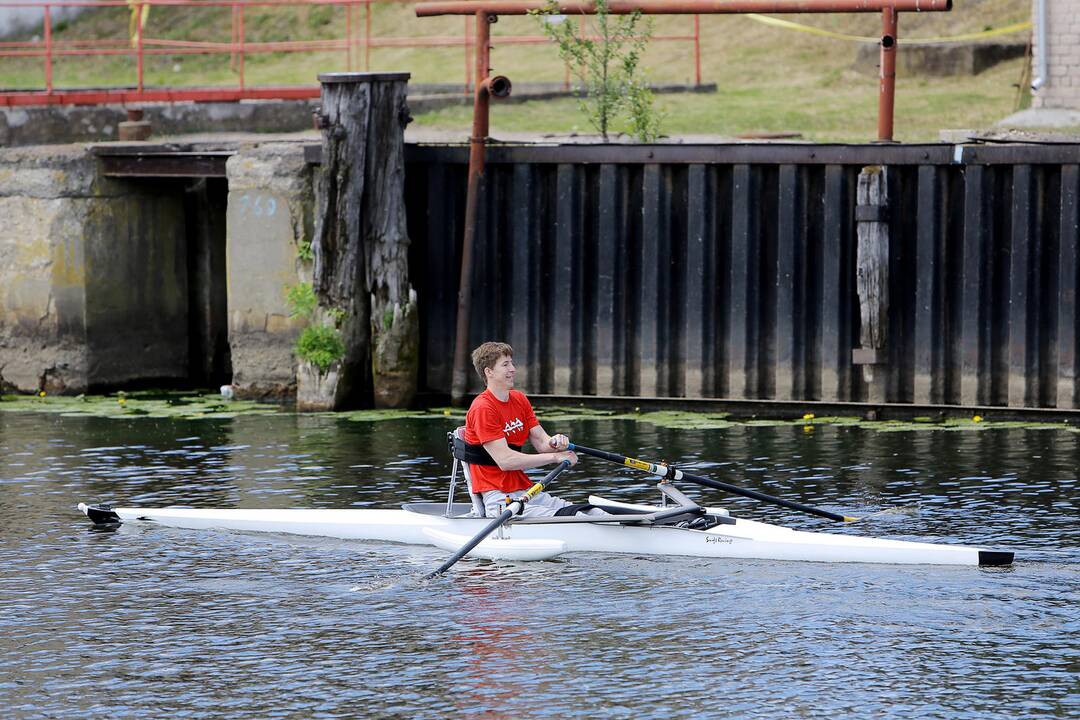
x=869, y=356
x=871, y=213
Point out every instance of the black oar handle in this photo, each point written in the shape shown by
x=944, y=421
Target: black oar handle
x=508, y=513
x=673, y=473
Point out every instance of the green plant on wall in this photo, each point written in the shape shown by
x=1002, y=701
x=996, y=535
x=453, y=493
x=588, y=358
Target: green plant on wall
x=605, y=55
x=301, y=300
x=304, y=251
x=321, y=345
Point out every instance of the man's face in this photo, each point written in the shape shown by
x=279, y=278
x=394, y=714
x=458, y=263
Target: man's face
x=503, y=372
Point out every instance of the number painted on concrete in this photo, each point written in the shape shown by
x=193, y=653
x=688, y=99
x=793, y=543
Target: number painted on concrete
x=257, y=205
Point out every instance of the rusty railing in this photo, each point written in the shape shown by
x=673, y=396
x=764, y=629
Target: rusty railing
x=355, y=45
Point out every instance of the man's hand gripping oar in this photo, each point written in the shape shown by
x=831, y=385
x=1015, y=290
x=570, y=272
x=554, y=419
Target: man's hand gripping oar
x=512, y=509
x=673, y=473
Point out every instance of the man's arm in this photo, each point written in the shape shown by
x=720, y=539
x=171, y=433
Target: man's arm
x=546, y=443
x=509, y=459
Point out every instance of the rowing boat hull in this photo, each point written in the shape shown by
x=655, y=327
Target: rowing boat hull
x=745, y=539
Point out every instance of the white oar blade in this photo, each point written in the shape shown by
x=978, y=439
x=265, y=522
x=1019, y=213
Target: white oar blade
x=519, y=549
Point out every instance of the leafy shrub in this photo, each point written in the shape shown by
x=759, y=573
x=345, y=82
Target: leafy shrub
x=607, y=66
x=301, y=300
x=321, y=346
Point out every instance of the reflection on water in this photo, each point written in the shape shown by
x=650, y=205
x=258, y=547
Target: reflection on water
x=149, y=621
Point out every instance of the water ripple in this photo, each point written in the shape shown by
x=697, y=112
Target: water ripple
x=145, y=621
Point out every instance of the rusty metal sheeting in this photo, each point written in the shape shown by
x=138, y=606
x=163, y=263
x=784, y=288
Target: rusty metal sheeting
x=680, y=7
x=736, y=279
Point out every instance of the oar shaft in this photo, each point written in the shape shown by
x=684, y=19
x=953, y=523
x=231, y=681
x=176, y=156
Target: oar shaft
x=463, y=551
x=667, y=471
x=508, y=513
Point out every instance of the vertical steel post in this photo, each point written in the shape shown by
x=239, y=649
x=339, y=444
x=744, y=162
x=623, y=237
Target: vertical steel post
x=241, y=46
x=348, y=37
x=232, y=38
x=697, y=50
x=466, y=39
x=138, y=48
x=367, y=35
x=477, y=146
x=887, y=91
x=48, y=50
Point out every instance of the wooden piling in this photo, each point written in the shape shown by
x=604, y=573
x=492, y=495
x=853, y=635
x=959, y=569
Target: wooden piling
x=361, y=272
x=872, y=279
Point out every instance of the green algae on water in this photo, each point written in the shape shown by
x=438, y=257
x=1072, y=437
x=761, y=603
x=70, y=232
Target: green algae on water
x=125, y=406
x=193, y=405
x=381, y=415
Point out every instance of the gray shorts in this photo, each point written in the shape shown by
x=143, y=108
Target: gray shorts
x=543, y=505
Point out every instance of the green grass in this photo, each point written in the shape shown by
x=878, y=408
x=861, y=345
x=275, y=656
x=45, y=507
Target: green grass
x=769, y=79
x=846, y=113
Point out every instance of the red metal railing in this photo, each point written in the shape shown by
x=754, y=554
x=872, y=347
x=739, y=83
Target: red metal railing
x=358, y=37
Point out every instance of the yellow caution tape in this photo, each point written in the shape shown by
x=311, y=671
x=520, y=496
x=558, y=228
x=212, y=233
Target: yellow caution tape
x=799, y=27
x=137, y=21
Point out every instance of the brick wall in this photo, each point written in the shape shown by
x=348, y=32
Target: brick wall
x=1061, y=87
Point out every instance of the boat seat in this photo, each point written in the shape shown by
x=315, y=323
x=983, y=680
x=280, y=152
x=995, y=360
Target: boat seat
x=456, y=442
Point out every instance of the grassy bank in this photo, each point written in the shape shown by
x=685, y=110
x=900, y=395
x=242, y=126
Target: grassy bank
x=769, y=79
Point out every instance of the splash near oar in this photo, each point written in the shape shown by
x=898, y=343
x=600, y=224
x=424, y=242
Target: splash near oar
x=511, y=510
x=670, y=472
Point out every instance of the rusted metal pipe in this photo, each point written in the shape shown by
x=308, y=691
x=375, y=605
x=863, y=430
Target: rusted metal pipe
x=887, y=88
x=49, y=50
x=678, y=7
x=486, y=87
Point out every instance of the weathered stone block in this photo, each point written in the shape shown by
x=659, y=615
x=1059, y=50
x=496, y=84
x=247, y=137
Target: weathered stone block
x=92, y=275
x=42, y=335
x=269, y=218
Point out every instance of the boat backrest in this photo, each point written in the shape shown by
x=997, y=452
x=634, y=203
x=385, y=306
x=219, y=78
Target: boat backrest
x=457, y=444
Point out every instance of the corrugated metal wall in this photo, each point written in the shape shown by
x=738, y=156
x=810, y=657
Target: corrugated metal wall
x=729, y=271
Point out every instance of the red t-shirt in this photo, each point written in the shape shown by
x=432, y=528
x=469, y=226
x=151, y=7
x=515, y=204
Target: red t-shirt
x=490, y=419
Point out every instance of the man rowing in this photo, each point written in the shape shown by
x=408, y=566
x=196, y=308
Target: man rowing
x=499, y=421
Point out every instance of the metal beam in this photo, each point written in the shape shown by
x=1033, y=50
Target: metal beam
x=163, y=163
x=678, y=7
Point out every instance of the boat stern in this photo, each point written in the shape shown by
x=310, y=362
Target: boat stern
x=992, y=558
x=100, y=514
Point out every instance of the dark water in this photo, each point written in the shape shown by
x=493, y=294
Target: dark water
x=158, y=622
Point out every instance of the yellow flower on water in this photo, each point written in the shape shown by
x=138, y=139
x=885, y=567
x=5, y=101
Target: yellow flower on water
x=41, y=394
x=121, y=400
x=446, y=412
x=808, y=417
x=808, y=428
x=976, y=418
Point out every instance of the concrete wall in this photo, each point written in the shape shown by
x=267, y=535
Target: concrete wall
x=102, y=284
x=270, y=214
x=92, y=275
x=1061, y=88
x=57, y=123
x=136, y=286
